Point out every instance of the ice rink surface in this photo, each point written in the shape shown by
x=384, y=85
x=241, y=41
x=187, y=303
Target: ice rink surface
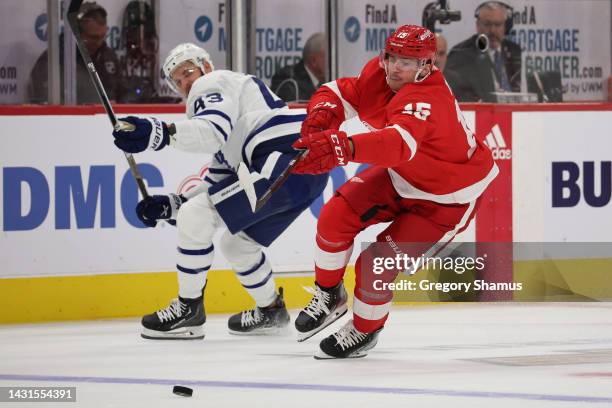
x=459, y=355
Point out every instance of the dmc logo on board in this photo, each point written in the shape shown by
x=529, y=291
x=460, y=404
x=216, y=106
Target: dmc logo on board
x=75, y=194
x=203, y=28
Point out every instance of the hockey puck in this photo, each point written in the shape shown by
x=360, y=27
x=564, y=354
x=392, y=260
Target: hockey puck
x=182, y=391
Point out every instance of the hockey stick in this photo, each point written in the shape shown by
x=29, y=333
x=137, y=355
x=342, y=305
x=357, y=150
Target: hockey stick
x=279, y=180
x=246, y=182
x=72, y=17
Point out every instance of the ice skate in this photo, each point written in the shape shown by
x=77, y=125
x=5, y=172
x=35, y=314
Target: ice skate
x=273, y=319
x=348, y=342
x=326, y=306
x=183, y=319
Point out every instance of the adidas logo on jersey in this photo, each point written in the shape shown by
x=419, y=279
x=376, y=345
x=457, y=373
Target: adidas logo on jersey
x=496, y=142
x=356, y=180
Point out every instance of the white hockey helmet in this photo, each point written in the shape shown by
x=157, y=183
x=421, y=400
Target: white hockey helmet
x=180, y=54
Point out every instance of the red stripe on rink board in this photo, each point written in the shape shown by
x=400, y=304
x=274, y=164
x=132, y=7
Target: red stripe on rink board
x=58, y=110
x=494, y=217
x=31, y=110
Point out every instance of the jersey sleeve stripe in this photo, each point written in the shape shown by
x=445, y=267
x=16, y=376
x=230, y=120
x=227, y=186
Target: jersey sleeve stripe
x=412, y=144
x=280, y=126
x=220, y=130
x=268, y=96
x=349, y=111
x=217, y=113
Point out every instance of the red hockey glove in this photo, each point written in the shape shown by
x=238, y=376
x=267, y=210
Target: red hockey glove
x=323, y=116
x=326, y=150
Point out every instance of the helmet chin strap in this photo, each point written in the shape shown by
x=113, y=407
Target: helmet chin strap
x=418, y=73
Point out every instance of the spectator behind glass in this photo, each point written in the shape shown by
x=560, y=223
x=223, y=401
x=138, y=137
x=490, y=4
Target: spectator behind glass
x=486, y=62
x=441, y=54
x=93, y=26
x=297, y=83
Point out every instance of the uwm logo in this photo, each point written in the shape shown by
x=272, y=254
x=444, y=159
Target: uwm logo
x=497, y=143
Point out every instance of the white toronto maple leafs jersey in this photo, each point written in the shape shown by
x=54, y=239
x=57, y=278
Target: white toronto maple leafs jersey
x=238, y=119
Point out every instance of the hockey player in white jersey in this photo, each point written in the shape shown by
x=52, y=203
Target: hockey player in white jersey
x=238, y=119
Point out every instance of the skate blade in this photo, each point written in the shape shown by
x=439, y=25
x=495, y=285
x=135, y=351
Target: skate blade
x=267, y=331
x=183, y=333
x=321, y=355
x=332, y=318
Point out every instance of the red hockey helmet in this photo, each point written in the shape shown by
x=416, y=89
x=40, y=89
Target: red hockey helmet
x=412, y=41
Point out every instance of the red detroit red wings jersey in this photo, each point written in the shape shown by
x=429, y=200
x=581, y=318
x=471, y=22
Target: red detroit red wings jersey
x=418, y=133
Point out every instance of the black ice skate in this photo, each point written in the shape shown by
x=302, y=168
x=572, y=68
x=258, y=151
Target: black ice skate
x=262, y=320
x=182, y=320
x=326, y=306
x=348, y=342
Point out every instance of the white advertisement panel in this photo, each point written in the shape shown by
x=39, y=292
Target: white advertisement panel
x=571, y=37
x=67, y=202
x=562, y=176
x=67, y=197
x=282, y=29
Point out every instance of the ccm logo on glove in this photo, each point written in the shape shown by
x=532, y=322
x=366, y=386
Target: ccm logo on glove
x=340, y=158
x=326, y=150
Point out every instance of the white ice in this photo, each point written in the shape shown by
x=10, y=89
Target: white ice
x=459, y=355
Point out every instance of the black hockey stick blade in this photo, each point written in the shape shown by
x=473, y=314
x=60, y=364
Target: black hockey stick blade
x=72, y=15
x=279, y=181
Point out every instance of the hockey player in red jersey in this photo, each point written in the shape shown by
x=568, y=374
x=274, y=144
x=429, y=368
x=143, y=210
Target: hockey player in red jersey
x=426, y=176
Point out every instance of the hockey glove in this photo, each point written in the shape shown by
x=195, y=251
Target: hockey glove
x=321, y=117
x=149, y=133
x=326, y=150
x=159, y=207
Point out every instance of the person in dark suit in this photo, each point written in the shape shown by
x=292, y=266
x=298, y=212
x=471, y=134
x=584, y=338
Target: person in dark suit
x=94, y=28
x=486, y=62
x=297, y=83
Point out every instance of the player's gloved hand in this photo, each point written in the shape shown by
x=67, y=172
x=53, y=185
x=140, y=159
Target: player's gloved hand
x=149, y=133
x=326, y=150
x=321, y=117
x=159, y=207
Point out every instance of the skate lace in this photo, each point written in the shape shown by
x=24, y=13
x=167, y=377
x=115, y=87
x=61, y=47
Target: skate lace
x=318, y=304
x=174, y=311
x=349, y=336
x=250, y=317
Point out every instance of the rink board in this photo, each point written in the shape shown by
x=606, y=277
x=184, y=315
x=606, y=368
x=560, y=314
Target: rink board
x=50, y=210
